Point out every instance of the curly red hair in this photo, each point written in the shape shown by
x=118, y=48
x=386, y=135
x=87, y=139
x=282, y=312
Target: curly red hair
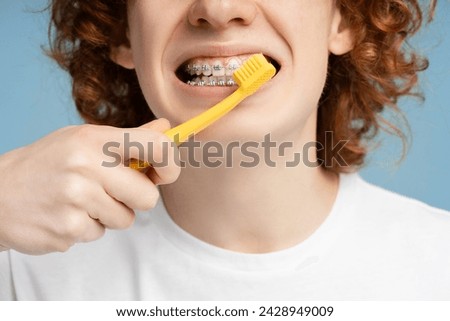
x=360, y=85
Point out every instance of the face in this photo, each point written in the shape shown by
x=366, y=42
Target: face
x=173, y=39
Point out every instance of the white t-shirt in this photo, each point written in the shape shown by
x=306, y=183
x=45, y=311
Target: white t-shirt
x=374, y=245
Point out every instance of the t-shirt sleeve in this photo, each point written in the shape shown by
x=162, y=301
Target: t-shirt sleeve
x=7, y=292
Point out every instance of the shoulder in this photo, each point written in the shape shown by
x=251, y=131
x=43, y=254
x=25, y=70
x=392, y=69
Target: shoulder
x=398, y=215
x=390, y=245
x=384, y=201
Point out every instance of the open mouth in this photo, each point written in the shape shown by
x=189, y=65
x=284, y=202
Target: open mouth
x=214, y=71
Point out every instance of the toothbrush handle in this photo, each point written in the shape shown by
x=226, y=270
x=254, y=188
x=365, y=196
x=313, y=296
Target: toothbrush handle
x=181, y=133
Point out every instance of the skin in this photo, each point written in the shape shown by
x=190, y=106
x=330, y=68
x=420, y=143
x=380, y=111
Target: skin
x=261, y=208
x=55, y=193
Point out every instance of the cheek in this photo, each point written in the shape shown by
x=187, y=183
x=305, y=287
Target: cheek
x=309, y=70
x=307, y=38
x=150, y=29
x=302, y=93
x=311, y=73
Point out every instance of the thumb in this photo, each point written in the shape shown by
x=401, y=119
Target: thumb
x=160, y=125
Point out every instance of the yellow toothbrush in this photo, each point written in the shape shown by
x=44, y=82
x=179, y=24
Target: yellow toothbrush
x=254, y=73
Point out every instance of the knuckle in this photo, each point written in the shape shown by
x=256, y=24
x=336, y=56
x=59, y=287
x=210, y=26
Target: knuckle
x=83, y=132
x=74, y=189
x=77, y=161
x=77, y=154
x=164, y=122
x=73, y=228
x=65, y=129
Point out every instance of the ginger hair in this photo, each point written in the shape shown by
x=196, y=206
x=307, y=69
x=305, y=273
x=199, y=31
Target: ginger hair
x=380, y=69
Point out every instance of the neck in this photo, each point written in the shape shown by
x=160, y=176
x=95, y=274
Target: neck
x=256, y=209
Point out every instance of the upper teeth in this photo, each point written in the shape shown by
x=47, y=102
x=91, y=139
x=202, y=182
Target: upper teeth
x=214, y=71
x=206, y=69
x=211, y=75
x=215, y=67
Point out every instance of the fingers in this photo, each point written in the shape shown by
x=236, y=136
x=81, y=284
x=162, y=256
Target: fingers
x=108, y=195
x=102, y=197
x=75, y=226
x=159, y=125
x=146, y=143
x=86, y=221
x=99, y=213
x=132, y=188
x=81, y=187
x=92, y=231
x=109, y=212
x=90, y=210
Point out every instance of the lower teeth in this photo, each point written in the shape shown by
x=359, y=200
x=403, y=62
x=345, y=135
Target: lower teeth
x=210, y=82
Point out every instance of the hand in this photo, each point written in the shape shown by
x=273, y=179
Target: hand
x=64, y=189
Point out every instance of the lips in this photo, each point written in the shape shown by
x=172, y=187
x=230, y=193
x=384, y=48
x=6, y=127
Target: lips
x=214, y=71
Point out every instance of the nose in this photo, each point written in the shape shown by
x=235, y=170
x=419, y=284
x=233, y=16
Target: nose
x=221, y=14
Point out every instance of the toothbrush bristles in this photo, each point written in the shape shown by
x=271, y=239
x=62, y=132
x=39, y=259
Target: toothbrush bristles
x=254, y=73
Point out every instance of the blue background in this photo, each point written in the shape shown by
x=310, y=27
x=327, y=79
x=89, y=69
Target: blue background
x=35, y=100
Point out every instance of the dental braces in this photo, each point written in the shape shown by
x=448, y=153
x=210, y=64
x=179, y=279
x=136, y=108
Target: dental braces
x=208, y=68
x=211, y=83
